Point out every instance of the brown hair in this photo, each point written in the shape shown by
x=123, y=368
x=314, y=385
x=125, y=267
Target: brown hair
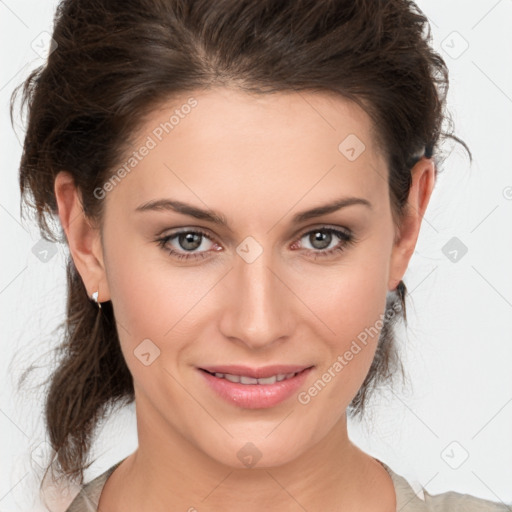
x=116, y=61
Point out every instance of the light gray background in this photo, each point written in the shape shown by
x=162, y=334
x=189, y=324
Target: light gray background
x=458, y=348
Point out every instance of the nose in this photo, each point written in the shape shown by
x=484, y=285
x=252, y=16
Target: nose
x=259, y=305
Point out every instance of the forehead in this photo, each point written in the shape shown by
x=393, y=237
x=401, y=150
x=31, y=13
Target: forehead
x=224, y=143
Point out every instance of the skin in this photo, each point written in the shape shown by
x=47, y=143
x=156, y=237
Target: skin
x=257, y=160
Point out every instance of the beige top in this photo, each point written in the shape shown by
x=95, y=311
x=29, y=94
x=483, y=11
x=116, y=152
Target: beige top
x=407, y=500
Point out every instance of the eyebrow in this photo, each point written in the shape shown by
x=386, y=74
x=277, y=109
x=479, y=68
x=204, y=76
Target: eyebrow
x=216, y=218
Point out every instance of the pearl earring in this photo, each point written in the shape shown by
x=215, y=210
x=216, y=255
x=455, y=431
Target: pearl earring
x=94, y=297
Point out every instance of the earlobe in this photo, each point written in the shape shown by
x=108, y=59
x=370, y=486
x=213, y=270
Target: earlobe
x=423, y=180
x=83, y=239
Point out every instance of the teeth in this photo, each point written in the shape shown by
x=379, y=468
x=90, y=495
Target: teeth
x=248, y=380
x=283, y=376
x=268, y=380
x=242, y=379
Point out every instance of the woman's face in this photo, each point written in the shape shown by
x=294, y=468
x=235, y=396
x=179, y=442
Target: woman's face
x=264, y=287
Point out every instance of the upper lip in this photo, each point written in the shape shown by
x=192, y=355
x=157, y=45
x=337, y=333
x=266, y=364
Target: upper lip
x=255, y=373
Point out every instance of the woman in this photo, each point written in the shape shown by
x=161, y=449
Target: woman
x=241, y=185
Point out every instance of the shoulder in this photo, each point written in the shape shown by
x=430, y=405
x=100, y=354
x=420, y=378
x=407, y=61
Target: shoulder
x=88, y=498
x=408, y=500
x=454, y=501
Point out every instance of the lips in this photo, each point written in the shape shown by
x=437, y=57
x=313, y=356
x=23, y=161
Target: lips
x=255, y=388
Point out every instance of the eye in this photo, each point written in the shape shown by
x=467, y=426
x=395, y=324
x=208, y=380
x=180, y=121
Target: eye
x=187, y=241
x=322, y=239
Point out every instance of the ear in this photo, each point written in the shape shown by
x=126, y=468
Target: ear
x=83, y=239
x=423, y=180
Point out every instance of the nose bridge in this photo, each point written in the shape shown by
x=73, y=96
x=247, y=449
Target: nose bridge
x=259, y=305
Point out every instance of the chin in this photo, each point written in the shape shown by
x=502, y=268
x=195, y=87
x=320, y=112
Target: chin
x=256, y=452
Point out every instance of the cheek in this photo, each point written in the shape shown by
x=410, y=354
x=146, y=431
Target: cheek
x=133, y=288
x=353, y=309
x=146, y=295
x=145, y=307
x=353, y=295
x=154, y=300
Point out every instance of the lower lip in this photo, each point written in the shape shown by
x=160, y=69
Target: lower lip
x=255, y=396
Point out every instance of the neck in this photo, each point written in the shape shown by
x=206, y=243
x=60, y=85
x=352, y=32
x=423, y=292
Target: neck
x=168, y=472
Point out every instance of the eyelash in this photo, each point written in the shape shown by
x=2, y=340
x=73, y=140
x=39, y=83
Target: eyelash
x=347, y=238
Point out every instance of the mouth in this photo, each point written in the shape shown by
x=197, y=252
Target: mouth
x=260, y=388
x=245, y=379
